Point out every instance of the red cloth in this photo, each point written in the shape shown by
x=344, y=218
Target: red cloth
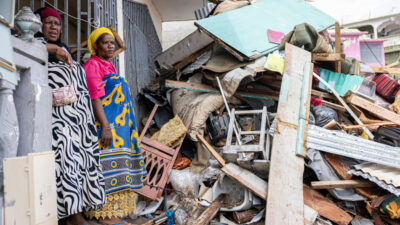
x=386, y=87
x=96, y=69
x=316, y=101
x=49, y=12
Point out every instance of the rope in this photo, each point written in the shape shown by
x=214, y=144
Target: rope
x=92, y=24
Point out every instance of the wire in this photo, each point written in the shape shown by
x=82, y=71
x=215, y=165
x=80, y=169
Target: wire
x=92, y=24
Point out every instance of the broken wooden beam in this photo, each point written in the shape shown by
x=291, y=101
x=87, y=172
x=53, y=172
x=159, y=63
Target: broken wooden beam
x=328, y=56
x=369, y=125
x=248, y=179
x=210, y=212
x=244, y=216
x=341, y=184
x=325, y=207
x=373, y=109
x=333, y=106
x=385, y=70
x=338, y=47
x=286, y=169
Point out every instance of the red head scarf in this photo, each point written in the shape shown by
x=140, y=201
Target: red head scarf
x=49, y=12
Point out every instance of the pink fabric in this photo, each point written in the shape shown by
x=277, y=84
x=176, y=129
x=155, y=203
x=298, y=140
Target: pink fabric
x=96, y=69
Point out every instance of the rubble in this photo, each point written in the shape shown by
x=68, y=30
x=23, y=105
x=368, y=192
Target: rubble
x=284, y=130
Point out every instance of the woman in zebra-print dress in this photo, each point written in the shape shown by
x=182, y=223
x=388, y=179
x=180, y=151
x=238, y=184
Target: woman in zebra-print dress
x=80, y=184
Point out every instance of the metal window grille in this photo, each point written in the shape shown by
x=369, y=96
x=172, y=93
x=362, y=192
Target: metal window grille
x=80, y=17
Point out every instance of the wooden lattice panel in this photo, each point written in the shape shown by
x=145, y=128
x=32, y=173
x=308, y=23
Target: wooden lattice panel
x=159, y=160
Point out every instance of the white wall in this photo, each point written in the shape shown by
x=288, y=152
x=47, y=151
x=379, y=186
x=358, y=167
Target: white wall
x=173, y=32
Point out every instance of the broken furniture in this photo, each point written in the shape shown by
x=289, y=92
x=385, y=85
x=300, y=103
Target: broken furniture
x=243, y=176
x=235, y=152
x=159, y=160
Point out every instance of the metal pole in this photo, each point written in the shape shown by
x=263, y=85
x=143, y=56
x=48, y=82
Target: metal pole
x=78, y=44
x=229, y=111
x=89, y=16
x=66, y=3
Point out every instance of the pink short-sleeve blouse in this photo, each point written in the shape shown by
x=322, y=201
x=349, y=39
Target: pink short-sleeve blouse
x=96, y=69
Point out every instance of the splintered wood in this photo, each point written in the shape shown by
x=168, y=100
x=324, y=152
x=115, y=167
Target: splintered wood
x=285, y=189
x=325, y=207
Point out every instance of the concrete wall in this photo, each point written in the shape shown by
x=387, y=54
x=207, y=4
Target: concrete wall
x=173, y=32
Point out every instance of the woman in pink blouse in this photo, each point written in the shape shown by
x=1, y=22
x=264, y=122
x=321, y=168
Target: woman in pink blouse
x=120, y=158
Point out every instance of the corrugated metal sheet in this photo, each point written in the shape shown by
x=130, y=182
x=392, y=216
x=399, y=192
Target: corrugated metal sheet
x=205, y=11
x=385, y=177
x=142, y=45
x=341, y=143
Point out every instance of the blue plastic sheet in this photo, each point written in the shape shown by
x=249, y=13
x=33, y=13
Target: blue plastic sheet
x=339, y=81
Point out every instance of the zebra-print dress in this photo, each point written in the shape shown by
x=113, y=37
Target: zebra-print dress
x=80, y=184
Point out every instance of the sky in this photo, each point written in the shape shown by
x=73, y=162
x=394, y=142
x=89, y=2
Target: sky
x=347, y=11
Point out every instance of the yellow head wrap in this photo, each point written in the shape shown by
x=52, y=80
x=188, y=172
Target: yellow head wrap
x=95, y=35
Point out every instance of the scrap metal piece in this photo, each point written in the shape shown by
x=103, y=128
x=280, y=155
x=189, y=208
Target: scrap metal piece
x=385, y=177
x=341, y=143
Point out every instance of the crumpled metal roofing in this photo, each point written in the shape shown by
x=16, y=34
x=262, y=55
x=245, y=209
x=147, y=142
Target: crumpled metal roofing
x=385, y=177
x=341, y=143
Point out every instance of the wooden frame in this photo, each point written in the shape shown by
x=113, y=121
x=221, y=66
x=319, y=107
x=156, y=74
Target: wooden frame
x=120, y=43
x=159, y=160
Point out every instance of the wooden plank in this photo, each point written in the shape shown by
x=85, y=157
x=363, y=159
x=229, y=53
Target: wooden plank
x=341, y=168
x=248, y=179
x=385, y=70
x=243, y=176
x=210, y=212
x=338, y=165
x=7, y=66
x=332, y=125
x=322, y=95
x=208, y=89
x=341, y=184
x=183, y=49
x=286, y=169
x=374, y=109
x=393, y=64
x=325, y=207
x=217, y=156
x=328, y=56
x=371, y=125
x=338, y=47
x=333, y=106
x=355, y=117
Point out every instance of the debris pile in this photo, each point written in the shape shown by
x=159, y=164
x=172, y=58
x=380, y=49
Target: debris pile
x=260, y=118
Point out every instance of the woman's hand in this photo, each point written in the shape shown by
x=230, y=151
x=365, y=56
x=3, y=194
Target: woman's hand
x=64, y=56
x=106, y=136
x=60, y=53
